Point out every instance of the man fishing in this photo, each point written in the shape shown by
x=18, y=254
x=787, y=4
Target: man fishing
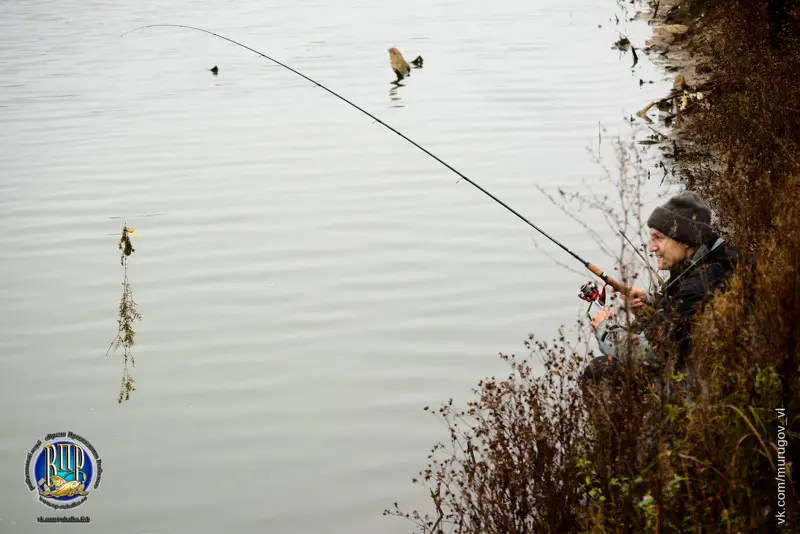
x=699, y=263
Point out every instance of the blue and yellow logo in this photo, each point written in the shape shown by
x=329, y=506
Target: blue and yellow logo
x=66, y=469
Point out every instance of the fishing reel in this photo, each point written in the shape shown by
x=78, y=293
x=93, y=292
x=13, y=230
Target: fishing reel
x=591, y=294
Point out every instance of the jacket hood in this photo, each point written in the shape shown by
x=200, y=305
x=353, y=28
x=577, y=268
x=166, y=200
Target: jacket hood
x=723, y=254
x=726, y=254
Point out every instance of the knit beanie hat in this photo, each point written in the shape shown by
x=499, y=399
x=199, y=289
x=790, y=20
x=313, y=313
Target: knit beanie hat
x=686, y=218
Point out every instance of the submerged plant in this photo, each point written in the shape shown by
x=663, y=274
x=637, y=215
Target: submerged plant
x=127, y=315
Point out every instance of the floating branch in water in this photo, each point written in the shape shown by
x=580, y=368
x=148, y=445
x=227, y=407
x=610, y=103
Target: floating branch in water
x=127, y=315
x=643, y=112
x=399, y=65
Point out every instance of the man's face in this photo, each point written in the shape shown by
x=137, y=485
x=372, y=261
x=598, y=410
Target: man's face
x=669, y=253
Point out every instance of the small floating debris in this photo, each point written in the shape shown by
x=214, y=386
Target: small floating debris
x=623, y=43
x=417, y=62
x=643, y=112
x=214, y=70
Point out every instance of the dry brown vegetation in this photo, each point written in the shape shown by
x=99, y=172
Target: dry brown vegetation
x=534, y=452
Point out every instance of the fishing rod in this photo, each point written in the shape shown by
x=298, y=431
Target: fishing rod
x=594, y=269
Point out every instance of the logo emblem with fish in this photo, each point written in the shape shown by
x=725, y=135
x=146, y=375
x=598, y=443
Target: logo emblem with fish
x=65, y=468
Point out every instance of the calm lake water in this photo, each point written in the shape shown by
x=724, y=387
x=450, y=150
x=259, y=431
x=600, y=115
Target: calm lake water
x=308, y=281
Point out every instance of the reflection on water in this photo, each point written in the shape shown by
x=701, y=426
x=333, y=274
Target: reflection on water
x=394, y=97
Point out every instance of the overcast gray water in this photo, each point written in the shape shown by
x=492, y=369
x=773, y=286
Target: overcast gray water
x=308, y=281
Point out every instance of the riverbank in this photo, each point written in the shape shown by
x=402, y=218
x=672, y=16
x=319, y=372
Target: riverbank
x=730, y=129
x=674, y=43
x=732, y=125
x=677, y=46
x=539, y=454
x=737, y=147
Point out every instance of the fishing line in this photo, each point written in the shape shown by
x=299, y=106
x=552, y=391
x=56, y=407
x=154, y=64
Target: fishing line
x=653, y=272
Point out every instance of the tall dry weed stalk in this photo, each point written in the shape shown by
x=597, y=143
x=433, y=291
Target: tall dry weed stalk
x=128, y=314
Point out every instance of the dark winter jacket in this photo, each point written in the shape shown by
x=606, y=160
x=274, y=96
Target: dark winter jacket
x=690, y=285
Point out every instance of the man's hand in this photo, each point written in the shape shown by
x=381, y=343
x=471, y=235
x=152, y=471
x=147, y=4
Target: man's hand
x=599, y=317
x=636, y=298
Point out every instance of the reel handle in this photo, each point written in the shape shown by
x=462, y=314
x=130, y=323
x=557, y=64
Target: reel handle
x=646, y=310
